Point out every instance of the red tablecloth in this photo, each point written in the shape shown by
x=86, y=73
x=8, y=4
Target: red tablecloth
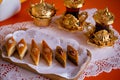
x=113, y=6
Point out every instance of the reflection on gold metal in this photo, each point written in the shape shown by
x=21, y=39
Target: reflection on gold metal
x=104, y=17
x=41, y=1
x=42, y=10
x=0, y=1
x=70, y=23
x=102, y=37
x=82, y=17
x=73, y=3
x=73, y=21
x=42, y=13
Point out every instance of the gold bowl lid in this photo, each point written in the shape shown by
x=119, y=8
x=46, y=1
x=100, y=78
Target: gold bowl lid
x=42, y=10
x=73, y=3
x=104, y=17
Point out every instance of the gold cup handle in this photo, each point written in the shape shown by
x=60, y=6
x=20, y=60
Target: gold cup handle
x=88, y=28
x=83, y=24
x=82, y=17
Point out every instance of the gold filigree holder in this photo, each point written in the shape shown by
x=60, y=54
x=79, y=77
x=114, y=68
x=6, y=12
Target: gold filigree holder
x=72, y=21
x=81, y=18
x=43, y=13
x=101, y=35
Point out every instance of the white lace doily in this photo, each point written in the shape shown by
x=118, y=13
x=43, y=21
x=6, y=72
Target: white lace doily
x=103, y=59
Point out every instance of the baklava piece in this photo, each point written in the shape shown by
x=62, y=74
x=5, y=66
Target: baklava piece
x=72, y=55
x=35, y=52
x=10, y=46
x=60, y=56
x=47, y=52
x=22, y=48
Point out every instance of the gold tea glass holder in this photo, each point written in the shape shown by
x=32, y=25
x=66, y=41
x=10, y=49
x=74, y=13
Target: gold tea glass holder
x=72, y=20
x=101, y=34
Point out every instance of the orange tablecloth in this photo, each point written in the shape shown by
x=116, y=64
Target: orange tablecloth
x=113, y=6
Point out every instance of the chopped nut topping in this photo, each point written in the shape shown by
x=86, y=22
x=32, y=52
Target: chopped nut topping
x=20, y=45
x=47, y=50
x=72, y=52
x=10, y=41
x=60, y=51
x=34, y=50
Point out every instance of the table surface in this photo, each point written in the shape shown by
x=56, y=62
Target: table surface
x=113, y=6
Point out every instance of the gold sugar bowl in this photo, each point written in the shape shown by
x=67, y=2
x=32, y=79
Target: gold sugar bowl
x=42, y=13
x=101, y=34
